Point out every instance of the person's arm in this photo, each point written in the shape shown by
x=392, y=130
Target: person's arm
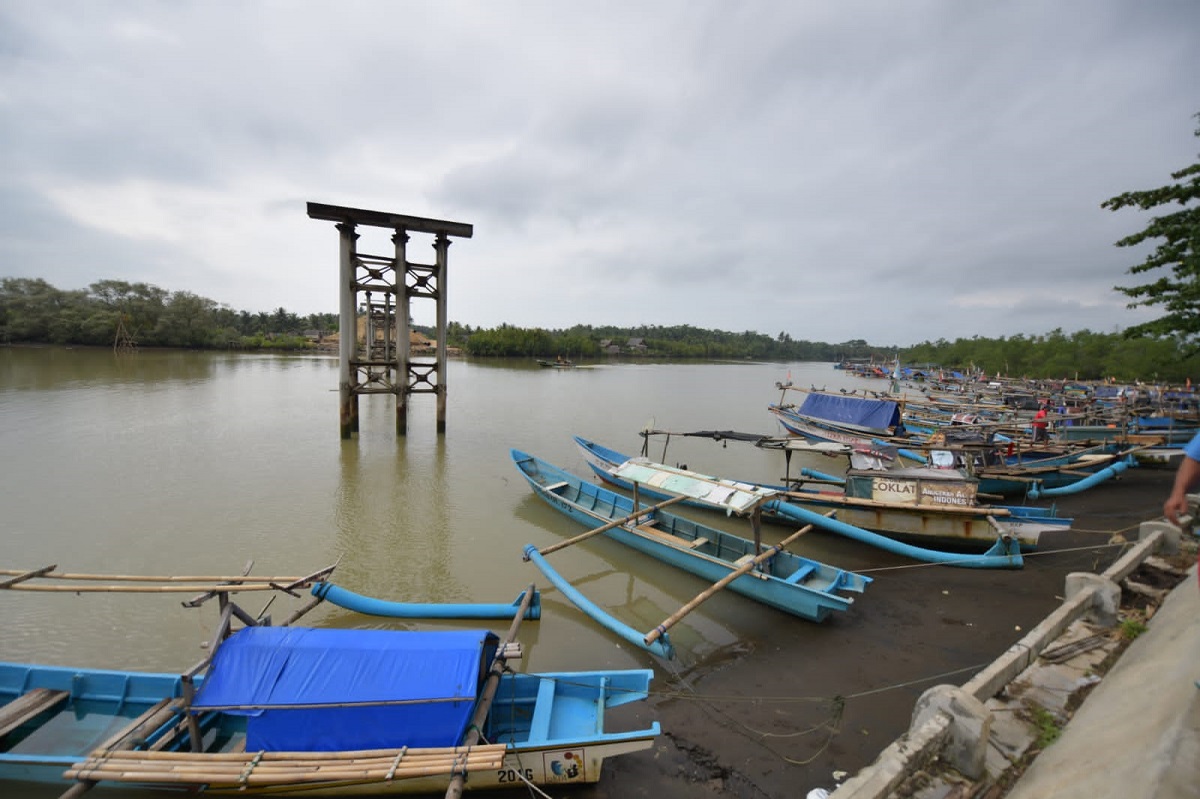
x=1186, y=477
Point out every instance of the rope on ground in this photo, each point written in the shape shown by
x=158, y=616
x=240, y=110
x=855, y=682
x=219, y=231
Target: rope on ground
x=1121, y=531
x=832, y=723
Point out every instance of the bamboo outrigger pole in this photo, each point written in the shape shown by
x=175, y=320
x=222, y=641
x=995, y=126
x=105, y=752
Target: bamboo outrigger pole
x=707, y=593
x=49, y=573
x=455, y=789
x=609, y=526
x=20, y=577
x=148, y=589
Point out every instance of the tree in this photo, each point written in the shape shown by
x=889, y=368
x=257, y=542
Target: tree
x=1179, y=251
x=187, y=321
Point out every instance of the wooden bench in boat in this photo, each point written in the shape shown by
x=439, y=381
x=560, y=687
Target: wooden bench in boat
x=539, y=725
x=552, y=487
x=801, y=573
x=649, y=527
x=27, y=706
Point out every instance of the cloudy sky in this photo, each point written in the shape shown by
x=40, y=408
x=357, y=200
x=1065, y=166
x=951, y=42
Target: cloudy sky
x=832, y=169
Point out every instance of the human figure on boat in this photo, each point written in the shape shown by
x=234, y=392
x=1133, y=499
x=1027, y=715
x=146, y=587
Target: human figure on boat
x=1039, y=423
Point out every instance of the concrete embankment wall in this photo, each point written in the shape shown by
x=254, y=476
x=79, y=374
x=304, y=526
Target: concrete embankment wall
x=954, y=724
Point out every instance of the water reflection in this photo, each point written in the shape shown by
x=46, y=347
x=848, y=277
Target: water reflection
x=636, y=588
x=56, y=368
x=393, y=522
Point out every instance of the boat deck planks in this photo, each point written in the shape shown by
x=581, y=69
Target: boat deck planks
x=29, y=706
x=650, y=528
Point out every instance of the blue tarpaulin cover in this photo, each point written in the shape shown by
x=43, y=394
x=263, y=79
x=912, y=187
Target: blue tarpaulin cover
x=307, y=689
x=859, y=411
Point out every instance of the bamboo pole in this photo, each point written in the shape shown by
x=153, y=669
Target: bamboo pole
x=609, y=526
x=354, y=755
x=259, y=770
x=20, y=577
x=455, y=788
x=709, y=592
x=148, y=578
x=267, y=768
x=117, y=588
x=1003, y=531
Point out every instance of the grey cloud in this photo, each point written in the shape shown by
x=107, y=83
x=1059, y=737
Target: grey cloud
x=836, y=171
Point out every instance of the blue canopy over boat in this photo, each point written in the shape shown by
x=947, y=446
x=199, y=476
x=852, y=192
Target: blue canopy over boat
x=320, y=690
x=861, y=412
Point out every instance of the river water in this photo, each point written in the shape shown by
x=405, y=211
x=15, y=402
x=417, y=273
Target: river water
x=195, y=463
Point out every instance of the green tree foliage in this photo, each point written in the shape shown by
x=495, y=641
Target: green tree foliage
x=32, y=310
x=680, y=341
x=1084, y=355
x=1178, y=252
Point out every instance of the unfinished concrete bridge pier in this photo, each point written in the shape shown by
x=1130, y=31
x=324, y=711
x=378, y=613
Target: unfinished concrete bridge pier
x=384, y=363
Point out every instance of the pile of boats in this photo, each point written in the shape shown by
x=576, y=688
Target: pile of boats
x=934, y=493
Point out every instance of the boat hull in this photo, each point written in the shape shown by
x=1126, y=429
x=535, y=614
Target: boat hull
x=795, y=585
x=551, y=726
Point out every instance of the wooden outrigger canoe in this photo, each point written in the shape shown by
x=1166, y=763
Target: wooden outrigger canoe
x=310, y=711
x=767, y=574
x=874, y=523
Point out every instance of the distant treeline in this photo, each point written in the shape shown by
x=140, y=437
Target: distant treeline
x=33, y=311
x=680, y=341
x=1084, y=355
x=1057, y=355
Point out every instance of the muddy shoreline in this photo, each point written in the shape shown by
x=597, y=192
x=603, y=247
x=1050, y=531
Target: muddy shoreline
x=792, y=705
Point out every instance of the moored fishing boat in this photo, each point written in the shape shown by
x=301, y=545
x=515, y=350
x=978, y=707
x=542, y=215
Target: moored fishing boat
x=312, y=711
x=780, y=579
x=928, y=507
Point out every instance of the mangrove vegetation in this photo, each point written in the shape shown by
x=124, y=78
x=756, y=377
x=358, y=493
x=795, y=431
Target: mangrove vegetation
x=33, y=311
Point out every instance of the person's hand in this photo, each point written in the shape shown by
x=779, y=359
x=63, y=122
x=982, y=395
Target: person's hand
x=1174, y=506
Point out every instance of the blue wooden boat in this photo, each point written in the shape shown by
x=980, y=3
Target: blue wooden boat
x=877, y=524
x=872, y=428
x=1007, y=468
x=875, y=420
x=319, y=712
x=797, y=585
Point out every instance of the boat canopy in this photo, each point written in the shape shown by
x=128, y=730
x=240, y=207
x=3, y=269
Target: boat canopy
x=873, y=414
x=321, y=690
x=735, y=497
